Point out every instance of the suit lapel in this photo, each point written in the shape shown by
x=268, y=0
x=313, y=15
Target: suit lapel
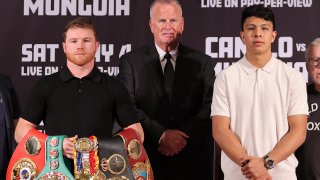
x=180, y=75
x=155, y=71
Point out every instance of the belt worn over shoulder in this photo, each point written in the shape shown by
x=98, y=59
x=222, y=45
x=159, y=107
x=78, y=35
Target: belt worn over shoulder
x=29, y=157
x=55, y=167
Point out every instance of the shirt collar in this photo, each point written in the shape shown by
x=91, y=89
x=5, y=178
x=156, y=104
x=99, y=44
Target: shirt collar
x=173, y=53
x=250, y=69
x=94, y=75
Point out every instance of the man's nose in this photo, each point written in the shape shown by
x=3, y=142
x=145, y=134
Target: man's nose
x=167, y=25
x=257, y=33
x=80, y=44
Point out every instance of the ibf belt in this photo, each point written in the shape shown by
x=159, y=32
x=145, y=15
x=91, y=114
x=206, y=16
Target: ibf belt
x=138, y=158
x=86, y=161
x=114, y=161
x=28, y=158
x=55, y=167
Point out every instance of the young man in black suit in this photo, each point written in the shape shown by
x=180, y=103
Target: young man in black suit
x=171, y=87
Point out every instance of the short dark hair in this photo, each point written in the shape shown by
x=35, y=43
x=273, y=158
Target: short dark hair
x=80, y=22
x=258, y=11
x=164, y=2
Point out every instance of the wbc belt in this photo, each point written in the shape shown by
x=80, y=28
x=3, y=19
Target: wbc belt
x=86, y=161
x=138, y=158
x=28, y=158
x=55, y=168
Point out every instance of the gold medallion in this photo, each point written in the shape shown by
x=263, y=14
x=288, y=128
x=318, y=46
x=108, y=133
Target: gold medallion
x=84, y=145
x=116, y=164
x=134, y=149
x=24, y=169
x=32, y=146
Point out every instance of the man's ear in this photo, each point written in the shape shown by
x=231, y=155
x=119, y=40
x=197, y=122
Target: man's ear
x=64, y=47
x=242, y=37
x=274, y=35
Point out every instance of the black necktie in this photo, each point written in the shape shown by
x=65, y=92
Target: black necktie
x=168, y=75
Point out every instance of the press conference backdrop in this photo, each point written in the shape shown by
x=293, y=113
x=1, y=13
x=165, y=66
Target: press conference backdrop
x=30, y=31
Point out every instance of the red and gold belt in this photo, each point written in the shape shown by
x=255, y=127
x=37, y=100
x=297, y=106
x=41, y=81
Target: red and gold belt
x=29, y=157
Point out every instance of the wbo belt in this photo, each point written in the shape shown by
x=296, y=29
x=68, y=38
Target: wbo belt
x=28, y=158
x=55, y=167
x=124, y=157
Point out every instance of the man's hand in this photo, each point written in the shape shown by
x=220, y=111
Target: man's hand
x=255, y=169
x=68, y=146
x=172, y=142
x=265, y=176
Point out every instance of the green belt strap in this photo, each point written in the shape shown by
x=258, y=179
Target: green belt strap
x=55, y=167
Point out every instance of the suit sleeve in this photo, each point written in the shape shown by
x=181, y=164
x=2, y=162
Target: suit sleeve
x=200, y=122
x=14, y=100
x=152, y=128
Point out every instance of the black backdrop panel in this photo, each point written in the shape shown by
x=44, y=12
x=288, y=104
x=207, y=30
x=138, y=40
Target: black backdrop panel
x=30, y=31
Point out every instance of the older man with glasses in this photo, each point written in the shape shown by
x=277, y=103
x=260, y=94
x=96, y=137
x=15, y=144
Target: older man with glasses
x=307, y=154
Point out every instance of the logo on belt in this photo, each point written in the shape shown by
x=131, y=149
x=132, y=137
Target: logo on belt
x=54, y=176
x=86, y=159
x=32, y=146
x=24, y=169
x=141, y=170
x=116, y=164
x=28, y=157
x=84, y=145
x=134, y=149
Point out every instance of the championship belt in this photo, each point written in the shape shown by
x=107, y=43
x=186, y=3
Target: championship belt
x=55, y=168
x=86, y=161
x=114, y=160
x=28, y=158
x=138, y=158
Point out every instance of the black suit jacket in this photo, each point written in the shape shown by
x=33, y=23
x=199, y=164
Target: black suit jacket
x=12, y=111
x=189, y=110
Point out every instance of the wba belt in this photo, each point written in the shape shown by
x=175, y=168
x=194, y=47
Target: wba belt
x=55, y=167
x=28, y=158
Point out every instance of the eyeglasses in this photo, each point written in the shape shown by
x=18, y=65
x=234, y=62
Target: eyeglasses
x=314, y=61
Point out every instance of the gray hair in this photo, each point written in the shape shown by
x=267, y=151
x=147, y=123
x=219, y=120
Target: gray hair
x=315, y=42
x=164, y=2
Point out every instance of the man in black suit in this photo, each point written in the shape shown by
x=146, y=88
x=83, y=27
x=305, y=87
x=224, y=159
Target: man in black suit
x=9, y=114
x=171, y=87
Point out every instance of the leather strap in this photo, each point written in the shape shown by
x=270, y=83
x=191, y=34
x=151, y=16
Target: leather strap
x=29, y=157
x=138, y=158
x=55, y=167
x=114, y=162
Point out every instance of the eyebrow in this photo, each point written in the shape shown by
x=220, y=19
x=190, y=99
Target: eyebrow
x=80, y=38
x=258, y=25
